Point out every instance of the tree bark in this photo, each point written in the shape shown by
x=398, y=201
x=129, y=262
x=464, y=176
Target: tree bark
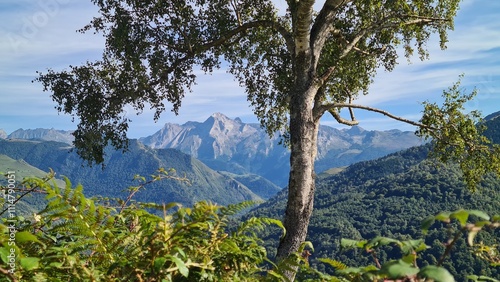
x=303, y=142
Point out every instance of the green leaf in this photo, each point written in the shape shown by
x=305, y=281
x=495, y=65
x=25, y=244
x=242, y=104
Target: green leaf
x=407, y=247
x=333, y=263
x=159, y=263
x=29, y=263
x=398, y=269
x=304, y=245
x=436, y=274
x=181, y=266
x=349, y=243
x=410, y=258
x=481, y=278
x=4, y=252
x=381, y=241
x=443, y=216
x=480, y=214
x=461, y=216
x=427, y=223
x=25, y=236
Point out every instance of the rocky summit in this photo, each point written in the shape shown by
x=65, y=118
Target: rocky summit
x=230, y=145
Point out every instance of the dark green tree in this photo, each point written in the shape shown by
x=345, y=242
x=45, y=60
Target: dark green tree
x=295, y=67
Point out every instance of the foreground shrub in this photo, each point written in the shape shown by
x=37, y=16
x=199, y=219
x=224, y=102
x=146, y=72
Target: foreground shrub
x=75, y=238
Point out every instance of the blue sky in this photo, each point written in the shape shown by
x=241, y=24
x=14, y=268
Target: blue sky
x=41, y=34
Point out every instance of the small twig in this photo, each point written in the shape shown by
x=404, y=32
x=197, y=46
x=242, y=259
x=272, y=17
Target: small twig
x=449, y=246
x=8, y=274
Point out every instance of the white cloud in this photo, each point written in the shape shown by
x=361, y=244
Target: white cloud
x=40, y=36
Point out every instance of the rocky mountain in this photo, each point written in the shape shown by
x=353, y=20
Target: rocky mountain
x=43, y=134
x=3, y=134
x=120, y=169
x=231, y=145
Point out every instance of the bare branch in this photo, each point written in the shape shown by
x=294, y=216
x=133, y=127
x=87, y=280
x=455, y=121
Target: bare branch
x=8, y=274
x=341, y=120
x=329, y=107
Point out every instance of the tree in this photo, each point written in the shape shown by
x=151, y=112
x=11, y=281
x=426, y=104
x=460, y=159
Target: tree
x=294, y=67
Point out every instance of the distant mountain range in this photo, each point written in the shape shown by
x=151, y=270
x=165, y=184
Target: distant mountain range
x=204, y=183
x=40, y=134
x=231, y=145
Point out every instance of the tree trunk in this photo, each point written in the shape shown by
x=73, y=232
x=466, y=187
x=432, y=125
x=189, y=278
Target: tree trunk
x=303, y=141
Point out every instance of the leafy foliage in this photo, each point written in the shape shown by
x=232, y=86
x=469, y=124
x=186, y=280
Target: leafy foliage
x=457, y=136
x=154, y=48
x=78, y=239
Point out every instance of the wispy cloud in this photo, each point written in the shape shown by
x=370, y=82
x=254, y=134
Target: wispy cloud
x=42, y=34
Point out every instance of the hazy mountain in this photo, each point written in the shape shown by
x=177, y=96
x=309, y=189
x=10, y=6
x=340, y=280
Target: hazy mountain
x=43, y=134
x=21, y=170
x=120, y=169
x=229, y=144
x=3, y=134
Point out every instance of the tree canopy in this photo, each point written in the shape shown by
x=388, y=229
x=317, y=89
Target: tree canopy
x=155, y=48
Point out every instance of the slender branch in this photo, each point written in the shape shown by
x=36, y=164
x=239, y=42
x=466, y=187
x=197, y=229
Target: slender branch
x=328, y=107
x=246, y=26
x=341, y=120
x=449, y=246
x=323, y=24
x=8, y=274
x=192, y=52
x=380, y=25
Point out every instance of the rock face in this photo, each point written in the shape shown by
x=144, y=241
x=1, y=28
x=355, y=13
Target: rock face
x=3, y=134
x=43, y=134
x=231, y=145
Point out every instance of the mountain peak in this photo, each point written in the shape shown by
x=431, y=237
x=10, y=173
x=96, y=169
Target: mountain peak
x=355, y=130
x=492, y=116
x=219, y=116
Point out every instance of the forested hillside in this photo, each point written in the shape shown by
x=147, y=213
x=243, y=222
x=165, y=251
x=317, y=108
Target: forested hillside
x=120, y=169
x=390, y=197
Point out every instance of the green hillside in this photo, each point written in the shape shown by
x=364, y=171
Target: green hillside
x=120, y=169
x=258, y=184
x=390, y=197
x=22, y=170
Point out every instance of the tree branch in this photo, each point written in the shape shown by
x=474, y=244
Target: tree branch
x=323, y=24
x=8, y=274
x=380, y=25
x=191, y=53
x=330, y=107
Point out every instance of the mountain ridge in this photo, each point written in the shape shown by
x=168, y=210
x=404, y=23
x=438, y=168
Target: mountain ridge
x=229, y=144
x=64, y=136
x=204, y=183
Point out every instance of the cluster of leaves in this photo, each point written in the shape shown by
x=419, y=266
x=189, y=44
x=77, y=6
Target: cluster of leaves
x=458, y=137
x=75, y=238
x=406, y=268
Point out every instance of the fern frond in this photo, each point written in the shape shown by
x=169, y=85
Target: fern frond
x=334, y=263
